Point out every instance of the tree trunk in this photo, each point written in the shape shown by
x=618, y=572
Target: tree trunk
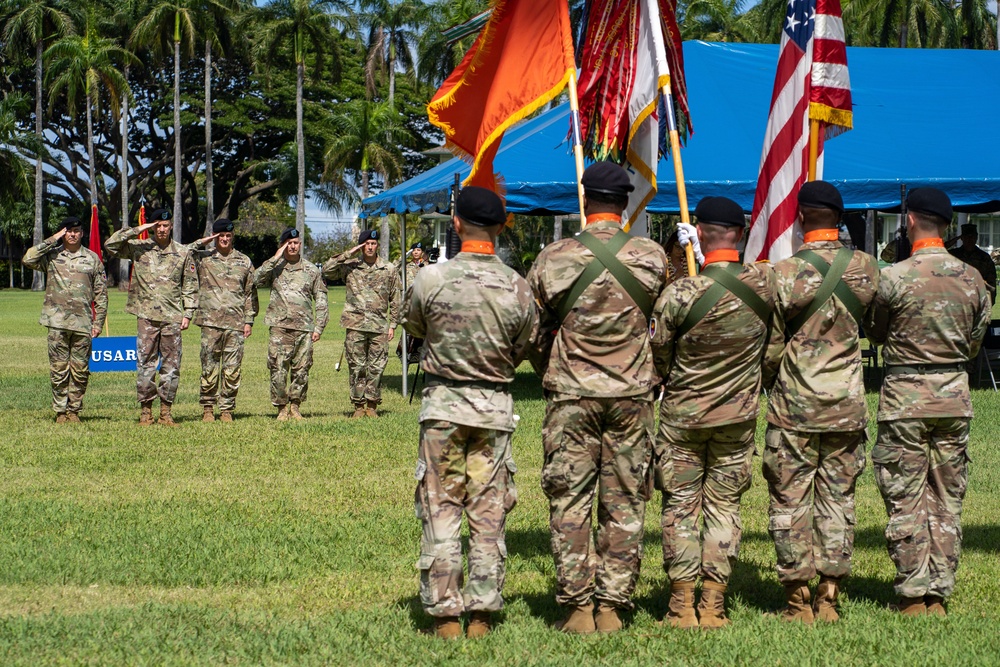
x=123, y=263
x=90, y=152
x=300, y=142
x=209, y=183
x=38, y=278
x=356, y=225
x=383, y=247
x=392, y=71
x=557, y=228
x=178, y=212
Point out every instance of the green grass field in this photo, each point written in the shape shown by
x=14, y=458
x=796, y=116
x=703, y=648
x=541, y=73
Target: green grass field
x=265, y=543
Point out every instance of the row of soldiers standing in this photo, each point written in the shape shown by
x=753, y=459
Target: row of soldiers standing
x=606, y=330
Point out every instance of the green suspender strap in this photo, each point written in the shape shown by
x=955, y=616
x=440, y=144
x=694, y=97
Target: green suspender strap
x=604, y=258
x=832, y=284
x=723, y=280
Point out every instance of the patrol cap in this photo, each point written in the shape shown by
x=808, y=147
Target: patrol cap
x=70, y=222
x=720, y=211
x=368, y=235
x=222, y=225
x=969, y=228
x=820, y=194
x=290, y=233
x=931, y=201
x=608, y=178
x=480, y=207
x=160, y=214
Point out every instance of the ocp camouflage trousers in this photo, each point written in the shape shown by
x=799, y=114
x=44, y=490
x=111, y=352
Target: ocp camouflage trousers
x=221, y=364
x=367, y=354
x=703, y=472
x=811, y=479
x=921, y=468
x=471, y=470
x=289, y=358
x=602, y=447
x=157, y=342
x=69, y=368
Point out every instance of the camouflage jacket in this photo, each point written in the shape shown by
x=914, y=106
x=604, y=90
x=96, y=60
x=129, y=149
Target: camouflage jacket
x=164, y=285
x=817, y=376
x=295, y=290
x=930, y=309
x=980, y=259
x=73, y=280
x=371, y=291
x=412, y=269
x=712, y=373
x=228, y=297
x=477, y=318
x=602, y=348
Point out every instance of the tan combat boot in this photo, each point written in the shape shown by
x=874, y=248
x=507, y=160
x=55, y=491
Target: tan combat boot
x=60, y=417
x=680, y=613
x=448, y=627
x=825, y=604
x=293, y=412
x=911, y=606
x=146, y=414
x=209, y=414
x=579, y=621
x=72, y=418
x=935, y=605
x=165, y=418
x=712, y=607
x=370, y=411
x=359, y=411
x=797, y=607
x=283, y=413
x=607, y=620
x=480, y=624
x=226, y=416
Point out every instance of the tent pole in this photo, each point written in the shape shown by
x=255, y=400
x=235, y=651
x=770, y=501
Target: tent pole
x=402, y=261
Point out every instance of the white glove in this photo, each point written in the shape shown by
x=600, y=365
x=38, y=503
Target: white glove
x=687, y=234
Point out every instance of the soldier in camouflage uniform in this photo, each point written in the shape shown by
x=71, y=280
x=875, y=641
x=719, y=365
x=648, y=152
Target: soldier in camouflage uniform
x=74, y=279
x=296, y=288
x=972, y=254
x=478, y=319
x=227, y=306
x=593, y=354
x=711, y=363
x=372, y=289
x=417, y=262
x=163, y=295
x=815, y=441
x=931, y=313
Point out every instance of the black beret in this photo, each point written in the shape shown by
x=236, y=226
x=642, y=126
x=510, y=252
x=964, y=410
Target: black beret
x=606, y=177
x=160, y=214
x=970, y=229
x=931, y=201
x=368, y=235
x=481, y=207
x=820, y=194
x=290, y=233
x=222, y=225
x=720, y=211
x=418, y=244
x=70, y=222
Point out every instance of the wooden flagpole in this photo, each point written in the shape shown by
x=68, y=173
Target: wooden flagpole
x=574, y=105
x=675, y=154
x=814, y=130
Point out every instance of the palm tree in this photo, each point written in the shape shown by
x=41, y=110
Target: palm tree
x=33, y=23
x=438, y=56
x=977, y=24
x=16, y=185
x=391, y=35
x=84, y=66
x=902, y=23
x=715, y=21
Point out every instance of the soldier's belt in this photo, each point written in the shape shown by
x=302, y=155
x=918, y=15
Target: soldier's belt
x=433, y=380
x=924, y=369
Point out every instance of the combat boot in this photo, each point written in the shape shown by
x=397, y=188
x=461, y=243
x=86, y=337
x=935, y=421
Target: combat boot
x=146, y=414
x=935, y=605
x=480, y=624
x=60, y=417
x=579, y=621
x=680, y=613
x=209, y=415
x=165, y=418
x=607, y=620
x=797, y=607
x=359, y=411
x=370, y=411
x=448, y=627
x=283, y=413
x=910, y=606
x=226, y=416
x=712, y=607
x=293, y=412
x=825, y=604
x=72, y=418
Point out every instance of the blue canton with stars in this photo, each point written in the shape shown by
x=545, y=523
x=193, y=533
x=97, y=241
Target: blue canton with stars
x=799, y=21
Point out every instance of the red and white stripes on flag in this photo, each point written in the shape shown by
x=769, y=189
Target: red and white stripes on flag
x=812, y=82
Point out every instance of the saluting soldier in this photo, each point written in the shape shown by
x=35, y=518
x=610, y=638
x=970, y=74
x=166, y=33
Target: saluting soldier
x=478, y=318
x=595, y=294
x=372, y=291
x=297, y=289
x=227, y=306
x=163, y=295
x=74, y=283
x=815, y=440
x=931, y=313
x=708, y=334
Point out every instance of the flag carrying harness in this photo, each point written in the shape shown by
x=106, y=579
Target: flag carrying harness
x=724, y=280
x=605, y=258
x=831, y=285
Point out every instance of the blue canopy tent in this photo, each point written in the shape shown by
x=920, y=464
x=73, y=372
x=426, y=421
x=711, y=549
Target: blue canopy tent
x=921, y=117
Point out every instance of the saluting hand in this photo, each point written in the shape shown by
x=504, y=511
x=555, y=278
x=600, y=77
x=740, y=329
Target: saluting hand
x=281, y=250
x=58, y=235
x=355, y=248
x=146, y=227
x=208, y=239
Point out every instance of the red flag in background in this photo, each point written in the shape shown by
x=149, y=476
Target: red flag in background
x=142, y=220
x=95, y=234
x=521, y=60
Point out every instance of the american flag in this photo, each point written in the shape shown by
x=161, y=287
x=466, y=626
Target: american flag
x=812, y=83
